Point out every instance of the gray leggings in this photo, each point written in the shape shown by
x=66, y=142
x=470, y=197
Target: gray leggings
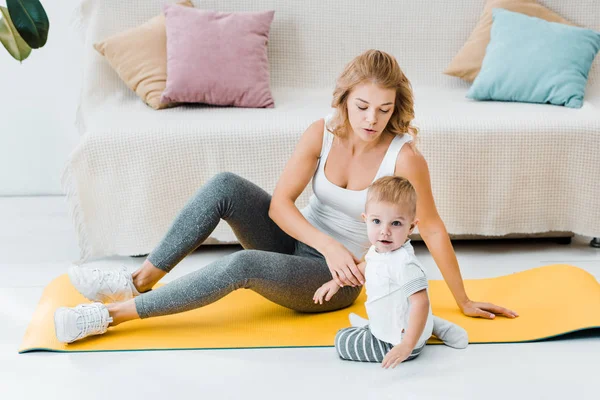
x=272, y=264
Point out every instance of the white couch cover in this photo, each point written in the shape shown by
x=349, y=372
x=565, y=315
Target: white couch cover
x=496, y=168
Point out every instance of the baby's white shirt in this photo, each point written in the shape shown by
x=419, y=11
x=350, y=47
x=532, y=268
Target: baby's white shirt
x=390, y=279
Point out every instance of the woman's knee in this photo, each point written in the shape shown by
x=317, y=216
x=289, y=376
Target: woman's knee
x=225, y=179
x=241, y=265
x=222, y=182
x=227, y=185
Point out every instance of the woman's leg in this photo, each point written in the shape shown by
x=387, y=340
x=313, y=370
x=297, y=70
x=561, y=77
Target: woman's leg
x=288, y=280
x=359, y=344
x=241, y=203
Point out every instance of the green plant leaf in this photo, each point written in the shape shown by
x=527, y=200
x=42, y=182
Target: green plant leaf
x=10, y=38
x=31, y=21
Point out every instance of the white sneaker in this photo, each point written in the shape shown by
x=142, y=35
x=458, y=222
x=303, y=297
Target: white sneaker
x=451, y=334
x=103, y=285
x=357, y=320
x=71, y=324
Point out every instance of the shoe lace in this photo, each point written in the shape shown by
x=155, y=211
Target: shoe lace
x=92, y=320
x=110, y=277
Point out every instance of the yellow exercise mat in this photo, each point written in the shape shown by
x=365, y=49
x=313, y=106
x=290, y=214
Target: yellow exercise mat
x=551, y=300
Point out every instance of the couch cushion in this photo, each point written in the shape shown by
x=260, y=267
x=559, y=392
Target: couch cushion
x=450, y=108
x=467, y=62
x=435, y=108
x=218, y=58
x=139, y=56
x=296, y=109
x=532, y=60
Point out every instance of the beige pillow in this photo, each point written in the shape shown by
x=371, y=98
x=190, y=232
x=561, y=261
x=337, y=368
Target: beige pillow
x=139, y=57
x=467, y=63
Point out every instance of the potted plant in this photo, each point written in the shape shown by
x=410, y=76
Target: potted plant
x=24, y=26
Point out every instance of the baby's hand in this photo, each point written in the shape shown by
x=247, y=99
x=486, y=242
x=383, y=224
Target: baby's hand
x=326, y=292
x=396, y=355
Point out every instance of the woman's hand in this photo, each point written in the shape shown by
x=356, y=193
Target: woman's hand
x=396, y=355
x=326, y=292
x=342, y=265
x=485, y=310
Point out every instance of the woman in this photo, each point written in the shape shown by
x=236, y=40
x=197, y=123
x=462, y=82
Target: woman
x=288, y=253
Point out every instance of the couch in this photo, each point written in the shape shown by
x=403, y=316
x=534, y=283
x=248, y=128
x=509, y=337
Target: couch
x=498, y=169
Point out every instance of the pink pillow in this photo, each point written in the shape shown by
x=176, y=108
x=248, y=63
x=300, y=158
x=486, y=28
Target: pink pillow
x=217, y=58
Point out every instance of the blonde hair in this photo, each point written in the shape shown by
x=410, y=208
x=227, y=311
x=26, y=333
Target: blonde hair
x=395, y=190
x=383, y=70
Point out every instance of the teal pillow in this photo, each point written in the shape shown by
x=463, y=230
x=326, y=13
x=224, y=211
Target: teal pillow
x=532, y=60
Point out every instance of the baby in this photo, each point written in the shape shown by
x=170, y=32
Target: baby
x=400, y=319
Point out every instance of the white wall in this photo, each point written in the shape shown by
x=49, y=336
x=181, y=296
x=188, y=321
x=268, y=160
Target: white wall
x=37, y=108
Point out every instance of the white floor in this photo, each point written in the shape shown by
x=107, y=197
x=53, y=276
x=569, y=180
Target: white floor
x=37, y=243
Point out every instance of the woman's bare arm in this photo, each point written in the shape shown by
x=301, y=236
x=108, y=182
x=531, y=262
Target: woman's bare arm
x=297, y=173
x=412, y=165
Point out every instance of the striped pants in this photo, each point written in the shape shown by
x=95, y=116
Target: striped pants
x=359, y=344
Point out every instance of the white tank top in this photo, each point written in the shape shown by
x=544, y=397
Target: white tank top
x=336, y=211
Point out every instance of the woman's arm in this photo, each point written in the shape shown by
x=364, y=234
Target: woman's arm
x=297, y=173
x=412, y=165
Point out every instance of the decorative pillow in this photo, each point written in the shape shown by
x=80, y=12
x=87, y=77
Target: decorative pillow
x=467, y=62
x=532, y=60
x=139, y=56
x=218, y=58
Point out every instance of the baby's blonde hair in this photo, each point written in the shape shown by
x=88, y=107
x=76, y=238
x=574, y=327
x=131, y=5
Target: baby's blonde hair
x=395, y=190
x=382, y=69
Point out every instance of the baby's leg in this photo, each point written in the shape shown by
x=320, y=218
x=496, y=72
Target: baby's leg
x=451, y=334
x=359, y=344
x=357, y=321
